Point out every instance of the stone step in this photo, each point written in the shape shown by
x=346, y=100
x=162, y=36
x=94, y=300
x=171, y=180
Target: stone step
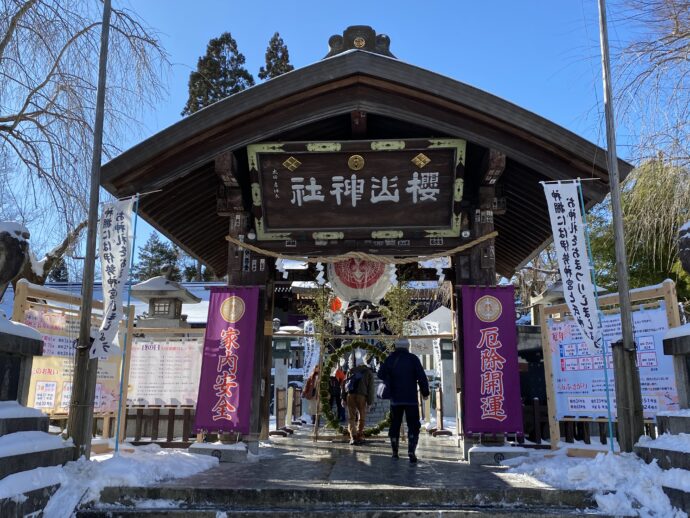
x=10, y=425
x=37, y=459
x=678, y=498
x=673, y=424
x=29, y=503
x=332, y=501
x=667, y=459
x=350, y=512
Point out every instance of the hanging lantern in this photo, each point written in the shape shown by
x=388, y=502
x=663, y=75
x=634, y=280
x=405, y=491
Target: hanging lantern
x=336, y=305
x=356, y=279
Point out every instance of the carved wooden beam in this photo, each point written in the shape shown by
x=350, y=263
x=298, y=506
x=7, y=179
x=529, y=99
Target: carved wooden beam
x=359, y=124
x=493, y=165
x=229, y=194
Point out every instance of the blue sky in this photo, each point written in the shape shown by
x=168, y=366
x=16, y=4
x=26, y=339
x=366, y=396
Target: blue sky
x=540, y=55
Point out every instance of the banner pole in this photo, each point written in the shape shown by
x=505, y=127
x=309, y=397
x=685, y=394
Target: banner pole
x=124, y=345
x=601, y=327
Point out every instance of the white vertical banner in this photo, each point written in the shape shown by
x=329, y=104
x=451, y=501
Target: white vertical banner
x=115, y=228
x=568, y=230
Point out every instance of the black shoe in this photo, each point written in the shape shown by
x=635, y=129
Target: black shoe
x=395, y=455
x=413, y=458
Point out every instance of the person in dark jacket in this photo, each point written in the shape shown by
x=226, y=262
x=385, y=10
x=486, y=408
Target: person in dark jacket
x=403, y=372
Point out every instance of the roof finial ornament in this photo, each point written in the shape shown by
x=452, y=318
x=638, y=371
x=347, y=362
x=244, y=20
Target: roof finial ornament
x=359, y=37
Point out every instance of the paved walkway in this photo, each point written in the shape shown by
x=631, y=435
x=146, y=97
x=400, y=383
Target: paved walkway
x=298, y=462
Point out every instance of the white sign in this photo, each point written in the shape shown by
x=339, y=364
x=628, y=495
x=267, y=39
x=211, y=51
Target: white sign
x=312, y=350
x=578, y=367
x=116, y=237
x=164, y=371
x=563, y=201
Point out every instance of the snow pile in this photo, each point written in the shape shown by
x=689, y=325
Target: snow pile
x=82, y=481
x=675, y=332
x=622, y=484
x=14, y=229
x=17, y=329
x=29, y=442
x=683, y=412
x=675, y=442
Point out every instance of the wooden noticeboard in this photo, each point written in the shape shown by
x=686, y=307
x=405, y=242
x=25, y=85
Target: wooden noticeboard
x=384, y=189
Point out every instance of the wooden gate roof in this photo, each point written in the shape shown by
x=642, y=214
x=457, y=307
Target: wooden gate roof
x=315, y=103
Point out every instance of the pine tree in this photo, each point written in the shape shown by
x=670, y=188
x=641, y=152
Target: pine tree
x=155, y=258
x=59, y=272
x=277, y=59
x=219, y=73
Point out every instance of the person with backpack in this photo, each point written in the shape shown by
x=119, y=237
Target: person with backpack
x=402, y=372
x=360, y=390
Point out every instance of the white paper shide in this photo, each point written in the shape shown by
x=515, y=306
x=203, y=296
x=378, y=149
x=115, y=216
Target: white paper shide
x=573, y=262
x=115, y=229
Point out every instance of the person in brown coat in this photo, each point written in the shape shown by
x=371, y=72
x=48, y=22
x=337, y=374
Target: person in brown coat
x=361, y=391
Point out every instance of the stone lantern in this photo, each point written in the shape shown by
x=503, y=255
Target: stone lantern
x=165, y=299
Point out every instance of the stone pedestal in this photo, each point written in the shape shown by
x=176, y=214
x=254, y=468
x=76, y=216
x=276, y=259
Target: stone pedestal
x=679, y=348
x=16, y=356
x=448, y=386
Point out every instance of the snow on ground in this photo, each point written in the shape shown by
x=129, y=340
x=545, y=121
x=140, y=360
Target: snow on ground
x=83, y=480
x=623, y=484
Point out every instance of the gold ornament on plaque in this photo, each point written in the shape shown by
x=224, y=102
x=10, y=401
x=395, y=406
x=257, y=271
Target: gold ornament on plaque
x=355, y=162
x=488, y=308
x=360, y=42
x=292, y=163
x=232, y=309
x=421, y=160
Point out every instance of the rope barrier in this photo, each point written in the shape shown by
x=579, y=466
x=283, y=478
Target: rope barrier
x=386, y=259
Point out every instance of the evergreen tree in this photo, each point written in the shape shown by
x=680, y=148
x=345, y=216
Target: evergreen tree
x=189, y=273
x=59, y=272
x=219, y=73
x=277, y=59
x=155, y=258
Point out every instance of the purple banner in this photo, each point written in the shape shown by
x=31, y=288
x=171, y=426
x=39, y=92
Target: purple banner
x=492, y=382
x=225, y=386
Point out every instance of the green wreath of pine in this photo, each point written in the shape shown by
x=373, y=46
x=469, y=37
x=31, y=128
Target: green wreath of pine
x=326, y=411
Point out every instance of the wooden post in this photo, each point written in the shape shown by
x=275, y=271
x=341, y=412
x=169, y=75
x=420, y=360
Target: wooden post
x=554, y=430
x=255, y=416
x=267, y=346
x=126, y=366
x=171, y=425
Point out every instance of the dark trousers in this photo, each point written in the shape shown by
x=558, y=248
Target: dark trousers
x=413, y=425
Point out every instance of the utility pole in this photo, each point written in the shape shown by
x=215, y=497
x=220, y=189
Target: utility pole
x=84, y=379
x=627, y=375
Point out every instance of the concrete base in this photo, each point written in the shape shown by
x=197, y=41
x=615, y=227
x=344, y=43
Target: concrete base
x=667, y=459
x=28, y=504
x=223, y=452
x=492, y=456
x=38, y=459
x=678, y=498
x=673, y=424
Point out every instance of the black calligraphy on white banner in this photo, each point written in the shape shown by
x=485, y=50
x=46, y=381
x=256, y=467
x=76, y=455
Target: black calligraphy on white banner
x=573, y=261
x=115, y=248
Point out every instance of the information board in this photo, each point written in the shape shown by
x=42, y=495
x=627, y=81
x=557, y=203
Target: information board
x=164, y=371
x=50, y=387
x=578, y=368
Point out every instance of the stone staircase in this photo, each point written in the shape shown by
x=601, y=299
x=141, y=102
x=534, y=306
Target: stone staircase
x=670, y=427
x=338, y=502
x=25, y=444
